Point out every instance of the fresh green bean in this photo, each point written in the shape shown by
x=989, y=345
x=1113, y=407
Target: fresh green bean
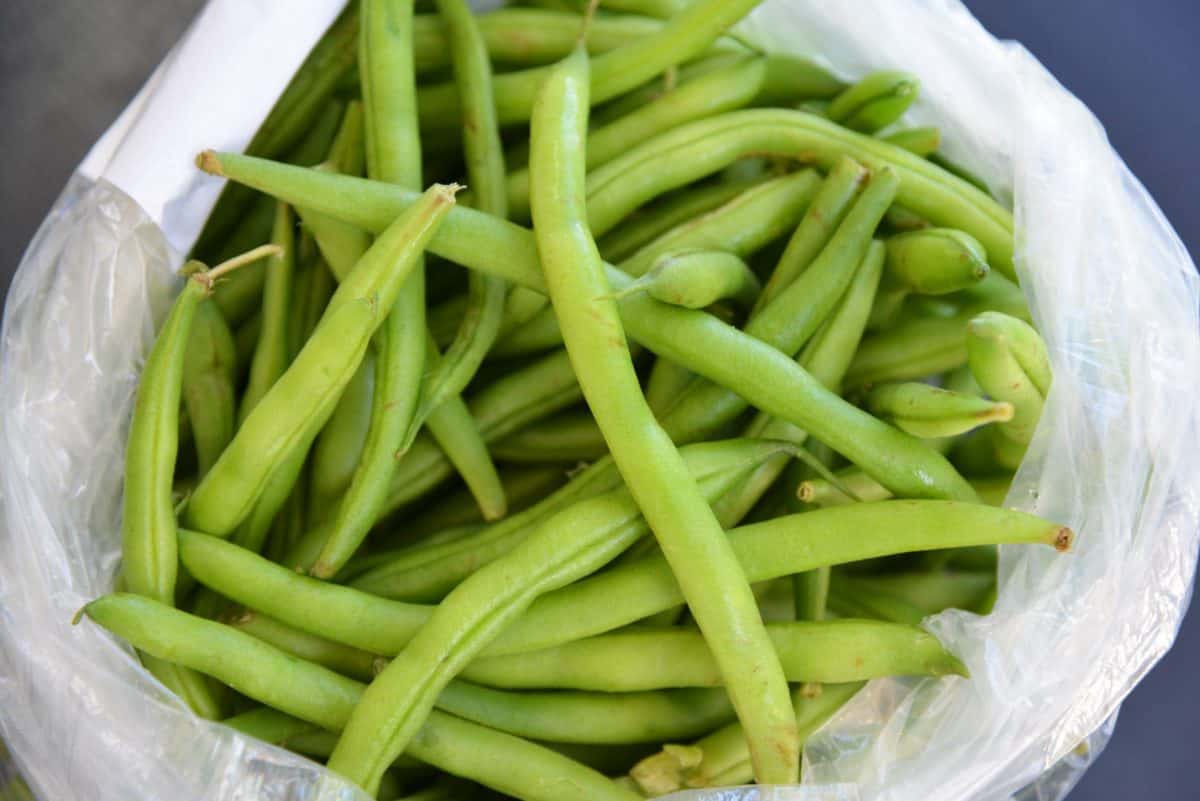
x=268, y=725
x=694, y=339
x=725, y=89
x=935, y=261
x=288, y=417
x=932, y=591
x=271, y=354
x=848, y=598
x=523, y=486
x=338, y=446
x=922, y=141
x=829, y=208
x=682, y=521
x=567, y=437
x=911, y=350
x=150, y=564
x=208, y=377
x=573, y=543
x=317, y=695
x=484, y=154
x=363, y=562
x=239, y=296
x=538, y=335
x=648, y=658
x=693, y=150
x=696, y=279
x=875, y=102
x=1010, y=362
x=929, y=412
x=566, y=716
x=684, y=36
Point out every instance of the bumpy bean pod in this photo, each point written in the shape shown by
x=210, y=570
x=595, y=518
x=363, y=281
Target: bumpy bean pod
x=930, y=412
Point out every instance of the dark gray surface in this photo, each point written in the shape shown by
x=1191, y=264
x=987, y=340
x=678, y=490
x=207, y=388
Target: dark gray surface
x=67, y=67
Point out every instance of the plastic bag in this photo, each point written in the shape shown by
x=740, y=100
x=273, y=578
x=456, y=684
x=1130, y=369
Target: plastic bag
x=1108, y=283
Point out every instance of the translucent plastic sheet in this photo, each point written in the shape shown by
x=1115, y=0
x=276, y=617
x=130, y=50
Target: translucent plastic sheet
x=1110, y=286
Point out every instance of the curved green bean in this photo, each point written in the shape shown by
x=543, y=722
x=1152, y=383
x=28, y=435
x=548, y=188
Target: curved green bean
x=929, y=412
x=338, y=446
x=696, y=279
x=936, y=261
x=565, y=716
x=338, y=657
x=875, y=102
x=524, y=485
x=648, y=659
x=271, y=354
x=923, y=141
x=208, y=392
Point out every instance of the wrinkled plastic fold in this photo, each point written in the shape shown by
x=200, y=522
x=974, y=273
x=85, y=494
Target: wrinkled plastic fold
x=1108, y=283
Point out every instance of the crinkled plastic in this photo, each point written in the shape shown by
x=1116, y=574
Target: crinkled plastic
x=1109, y=284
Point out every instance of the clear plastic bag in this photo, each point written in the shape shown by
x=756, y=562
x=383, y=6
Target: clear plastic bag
x=1108, y=282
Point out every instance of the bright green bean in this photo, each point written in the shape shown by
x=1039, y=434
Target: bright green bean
x=849, y=598
x=523, y=486
x=696, y=279
x=338, y=446
x=271, y=356
x=288, y=417
x=208, y=392
x=933, y=591
x=340, y=658
x=682, y=521
x=875, y=102
x=911, y=350
x=150, y=563
x=538, y=335
x=683, y=37
x=694, y=339
x=935, y=261
x=562, y=716
x=239, y=296
x=927, y=411
x=648, y=658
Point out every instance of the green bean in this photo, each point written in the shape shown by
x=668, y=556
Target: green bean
x=936, y=261
x=317, y=695
x=208, y=384
x=484, y=154
x=649, y=659
x=900, y=219
x=674, y=508
x=922, y=141
x=1010, y=362
x=848, y=598
x=271, y=354
x=797, y=312
x=363, y=562
x=338, y=446
x=650, y=223
x=683, y=37
x=523, y=486
x=929, y=412
x=343, y=659
x=578, y=717
x=568, y=437
x=573, y=543
x=288, y=417
x=292, y=115
x=268, y=725
x=694, y=339
x=527, y=37
x=875, y=102
x=696, y=149
x=725, y=89
x=696, y=279
x=932, y=591
x=150, y=564
x=722, y=758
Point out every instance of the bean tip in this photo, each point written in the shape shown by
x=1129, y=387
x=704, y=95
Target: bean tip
x=209, y=162
x=1063, y=539
x=78, y=616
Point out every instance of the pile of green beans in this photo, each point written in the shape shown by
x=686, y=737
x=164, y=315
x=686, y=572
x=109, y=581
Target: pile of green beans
x=460, y=508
